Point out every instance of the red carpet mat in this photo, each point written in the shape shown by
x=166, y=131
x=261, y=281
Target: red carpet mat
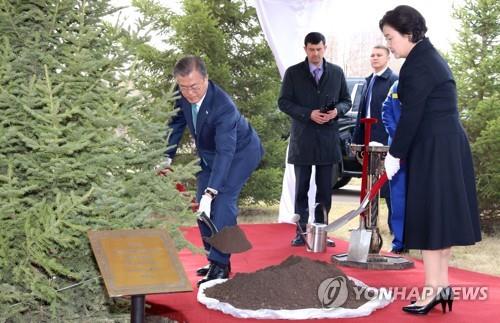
x=271, y=245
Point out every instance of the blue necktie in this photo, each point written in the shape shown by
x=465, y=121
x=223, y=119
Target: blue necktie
x=316, y=74
x=194, y=112
x=369, y=95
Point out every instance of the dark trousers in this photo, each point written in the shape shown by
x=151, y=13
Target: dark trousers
x=323, y=192
x=224, y=208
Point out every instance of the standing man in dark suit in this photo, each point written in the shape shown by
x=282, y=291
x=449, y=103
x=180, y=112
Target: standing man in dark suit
x=314, y=94
x=228, y=147
x=373, y=96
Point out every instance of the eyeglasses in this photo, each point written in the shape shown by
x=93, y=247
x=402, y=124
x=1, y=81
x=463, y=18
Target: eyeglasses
x=191, y=88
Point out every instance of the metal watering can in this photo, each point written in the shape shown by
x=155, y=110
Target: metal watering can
x=316, y=237
x=316, y=233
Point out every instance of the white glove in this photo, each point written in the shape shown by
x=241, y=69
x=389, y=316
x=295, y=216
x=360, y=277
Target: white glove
x=375, y=144
x=205, y=204
x=391, y=165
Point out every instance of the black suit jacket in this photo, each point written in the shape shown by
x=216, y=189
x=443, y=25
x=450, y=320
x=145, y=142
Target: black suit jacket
x=379, y=92
x=312, y=143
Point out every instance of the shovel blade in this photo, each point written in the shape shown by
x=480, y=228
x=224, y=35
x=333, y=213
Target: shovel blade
x=359, y=245
x=229, y=240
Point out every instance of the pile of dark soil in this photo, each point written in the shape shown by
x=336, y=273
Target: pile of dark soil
x=293, y=284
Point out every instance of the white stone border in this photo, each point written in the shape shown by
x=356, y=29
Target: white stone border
x=299, y=314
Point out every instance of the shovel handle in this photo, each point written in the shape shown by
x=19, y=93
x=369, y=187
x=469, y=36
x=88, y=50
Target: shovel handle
x=205, y=219
x=364, y=203
x=368, y=122
x=374, y=190
x=378, y=185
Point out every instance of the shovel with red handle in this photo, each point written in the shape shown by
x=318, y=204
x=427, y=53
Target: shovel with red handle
x=362, y=207
x=361, y=238
x=368, y=122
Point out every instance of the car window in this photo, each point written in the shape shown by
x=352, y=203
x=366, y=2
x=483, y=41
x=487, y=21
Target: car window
x=355, y=86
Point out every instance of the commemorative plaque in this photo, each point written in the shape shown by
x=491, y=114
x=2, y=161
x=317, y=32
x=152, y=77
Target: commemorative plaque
x=138, y=262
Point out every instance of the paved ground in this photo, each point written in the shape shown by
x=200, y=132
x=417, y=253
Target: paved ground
x=348, y=193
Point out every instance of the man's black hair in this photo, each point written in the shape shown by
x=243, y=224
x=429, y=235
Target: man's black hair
x=314, y=38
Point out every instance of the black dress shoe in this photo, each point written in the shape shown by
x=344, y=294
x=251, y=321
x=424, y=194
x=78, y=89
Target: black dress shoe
x=444, y=297
x=202, y=271
x=216, y=271
x=298, y=241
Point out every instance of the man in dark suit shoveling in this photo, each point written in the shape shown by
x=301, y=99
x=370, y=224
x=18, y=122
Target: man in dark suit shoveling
x=228, y=147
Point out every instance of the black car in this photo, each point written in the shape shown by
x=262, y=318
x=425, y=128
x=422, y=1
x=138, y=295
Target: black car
x=349, y=166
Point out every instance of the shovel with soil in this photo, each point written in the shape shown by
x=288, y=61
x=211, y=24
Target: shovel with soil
x=228, y=240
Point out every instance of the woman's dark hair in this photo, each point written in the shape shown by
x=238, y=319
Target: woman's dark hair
x=407, y=21
x=314, y=38
x=187, y=64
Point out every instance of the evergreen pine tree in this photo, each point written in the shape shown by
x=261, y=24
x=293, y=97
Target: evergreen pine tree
x=77, y=150
x=475, y=61
x=227, y=35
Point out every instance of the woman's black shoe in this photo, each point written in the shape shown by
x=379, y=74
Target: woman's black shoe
x=445, y=296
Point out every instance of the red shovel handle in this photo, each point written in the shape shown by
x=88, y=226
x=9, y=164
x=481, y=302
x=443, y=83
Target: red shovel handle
x=364, y=177
x=378, y=185
x=373, y=191
x=181, y=188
